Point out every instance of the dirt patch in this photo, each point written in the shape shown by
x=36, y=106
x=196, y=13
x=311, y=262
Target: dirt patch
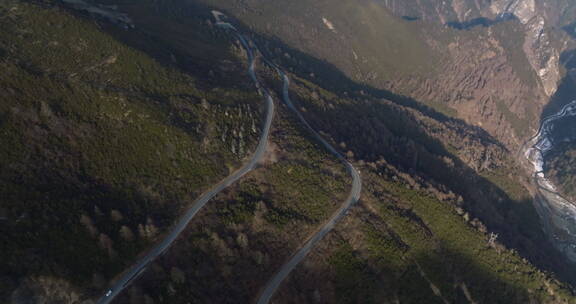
x=271, y=155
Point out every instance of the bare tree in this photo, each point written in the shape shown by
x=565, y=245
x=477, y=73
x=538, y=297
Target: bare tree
x=126, y=233
x=89, y=224
x=116, y=215
x=492, y=239
x=107, y=244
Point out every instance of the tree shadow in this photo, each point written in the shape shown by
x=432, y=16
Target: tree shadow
x=570, y=29
x=178, y=38
x=443, y=275
x=464, y=269
x=410, y=18
x=481, y=21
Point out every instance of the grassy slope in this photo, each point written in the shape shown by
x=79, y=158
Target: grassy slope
x=91, y=129
x=400, y=242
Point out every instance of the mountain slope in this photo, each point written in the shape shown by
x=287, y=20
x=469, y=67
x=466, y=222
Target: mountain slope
x=405, y=143
x=101, y=147
x=108, y=134
x=494, y=73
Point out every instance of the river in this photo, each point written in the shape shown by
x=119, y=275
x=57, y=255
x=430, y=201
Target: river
x=558, y=214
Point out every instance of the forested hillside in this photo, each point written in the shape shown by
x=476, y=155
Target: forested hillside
x=109, y=132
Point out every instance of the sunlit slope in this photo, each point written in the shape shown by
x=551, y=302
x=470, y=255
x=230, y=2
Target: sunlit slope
x=361, y=37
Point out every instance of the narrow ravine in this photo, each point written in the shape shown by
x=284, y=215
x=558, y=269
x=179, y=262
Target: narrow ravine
x=138, y=268
x=557, y=212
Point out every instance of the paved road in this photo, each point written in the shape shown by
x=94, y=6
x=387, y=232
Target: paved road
x=160, y=248
x=353, y=197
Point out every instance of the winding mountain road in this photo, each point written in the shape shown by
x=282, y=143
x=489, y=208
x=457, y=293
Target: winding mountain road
x=353, y=197
x=160, y=248
x=285, y=270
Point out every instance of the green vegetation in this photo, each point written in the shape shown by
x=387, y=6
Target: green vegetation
x=520, y=126
x=427, y=243
x=102, y=146
x=502, y=177
x=466, y=252
x=240, y=238
x=301, y=185
x=416, y=249
x=244, y=206
x=418, y=58
x=106, y=138
x=352, y=283
x=561, y=168
x=511, y=37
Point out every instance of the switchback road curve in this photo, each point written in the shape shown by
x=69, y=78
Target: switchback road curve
x=353, y=197
x=140, y=266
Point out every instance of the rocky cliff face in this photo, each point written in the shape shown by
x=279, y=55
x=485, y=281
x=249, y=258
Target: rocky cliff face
x=543, y=26
x=543, y=56
x=483, y=86
x=538, y=19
